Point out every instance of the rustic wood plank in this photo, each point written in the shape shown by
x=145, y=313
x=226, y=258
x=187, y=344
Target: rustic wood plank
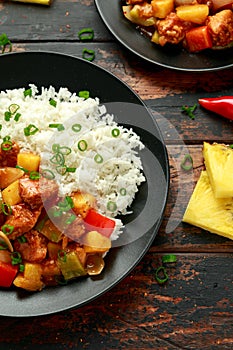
x=141, y=314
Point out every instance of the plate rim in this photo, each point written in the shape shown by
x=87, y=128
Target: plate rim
x=159, y=64
x=149, y=241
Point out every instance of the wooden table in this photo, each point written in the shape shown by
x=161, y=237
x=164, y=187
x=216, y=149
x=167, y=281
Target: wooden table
x=194, y=309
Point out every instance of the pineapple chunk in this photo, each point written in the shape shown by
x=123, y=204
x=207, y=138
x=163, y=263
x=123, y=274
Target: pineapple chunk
x=162, y=8
x=11, y=194
x=30, y=279
x=28, y=161
x=193, y=13
x=207, y=212
x=95, y=242
x=218, y=160
x=9, y=175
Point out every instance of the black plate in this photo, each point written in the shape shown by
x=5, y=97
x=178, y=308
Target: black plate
x=58, y=70
x=170, y=57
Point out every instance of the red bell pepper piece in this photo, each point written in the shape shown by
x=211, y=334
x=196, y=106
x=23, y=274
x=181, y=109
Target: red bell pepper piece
x=8, y=273
x=220, y=105
x=98, y=222
x=198, y=39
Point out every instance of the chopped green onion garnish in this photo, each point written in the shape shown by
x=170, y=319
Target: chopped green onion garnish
x=4, y=41
x=189, y=110
x=84, y=94
x=65, y=150
x=28, y=92
x=169, y=258
x=17, y=116
x=56, y=147
x=98, y=158
x=58, y=159
x=88, y=55
x=48, y=174
x=123, y=191
x=34, y=175
x=13, y=108
x=20, y=167
x=82, y=145
x=76, y=127
x=61, y=169
x=161, y=275
x=187, y=163
x=6, y=138
x=66, y=204
x=6, y=145
x=70, y=219
x=86, y=34
x=30, y=130
x=6, y=209
x=115, y=132
x=59, y=127
x=52, y=102
x=7, y=229
x=22, y=239
x=111, y=206
x=16, y=258
x=61, y=255
x=21, y=267
x=7, y=116
x=71, y=170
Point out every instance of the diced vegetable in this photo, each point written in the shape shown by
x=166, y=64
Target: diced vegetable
x=53, y=249
x=30, y=279
x=198, y=39
x=95, y=221
x=162, y=7
x=94, y=264
x=9, y=175
x=7, y=274
x=83, y=202
x=11, y=194
x=71, y=266
x=222, y=4
x=95, y=242
x=28, y=161
x=193, y=13
x=50, y=231
x=133, y=15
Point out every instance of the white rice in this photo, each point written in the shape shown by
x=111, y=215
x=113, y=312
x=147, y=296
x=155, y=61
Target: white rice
x=115, y=179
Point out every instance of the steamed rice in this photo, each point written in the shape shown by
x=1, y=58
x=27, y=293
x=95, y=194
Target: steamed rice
x=117, y=174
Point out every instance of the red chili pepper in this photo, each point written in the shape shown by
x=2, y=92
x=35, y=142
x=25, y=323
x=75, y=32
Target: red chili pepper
x=7, y=274
x=220, y=105
x=98, y=222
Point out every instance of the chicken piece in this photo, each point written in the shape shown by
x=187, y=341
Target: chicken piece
x=34, y=249
x=23, y=219
x=35, y=192
x=172, y=29
x=9, y=157
x=220, y=27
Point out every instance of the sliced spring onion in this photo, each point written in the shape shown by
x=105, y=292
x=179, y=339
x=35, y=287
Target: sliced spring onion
x=4, y=41
x=7, y=116
x=6, y=209
x=22, y=239
x=115, y=132
x=21, y=267
x=28, y=92
x=48, y=174
x=76, y=127
x=98, y=158
x=31, y=129
x=58, y=126
x=58, y=159
x=16, y=258
x=123, y=191
x=61, y=169
x=84, y=94
x=70, y=219
x=86, y=34
x=17, y=116
x=6, y=138
x=21, y=168
x=6, y=145
x=169, y=258
x=7, y=229
x=65, y=150
x=13, y=108
x=161, y=275
x=187, y=163
x=62, y=255
x=82, y=145
x=52, y=102
x=88, y=54
x=71, y=170
x=34, y=175
x=56, y=147
x=66, y=204
x=189, y=110
x=111, y=206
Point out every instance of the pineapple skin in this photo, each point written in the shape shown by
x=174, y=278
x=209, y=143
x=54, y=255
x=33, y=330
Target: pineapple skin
x=218, y=159
x=206, y=211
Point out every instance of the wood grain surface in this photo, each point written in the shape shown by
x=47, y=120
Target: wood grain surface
x=194, y=309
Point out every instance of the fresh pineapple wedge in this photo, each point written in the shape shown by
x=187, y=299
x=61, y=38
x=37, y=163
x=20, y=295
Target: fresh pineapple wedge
x=206, y=211
x=218, y=160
